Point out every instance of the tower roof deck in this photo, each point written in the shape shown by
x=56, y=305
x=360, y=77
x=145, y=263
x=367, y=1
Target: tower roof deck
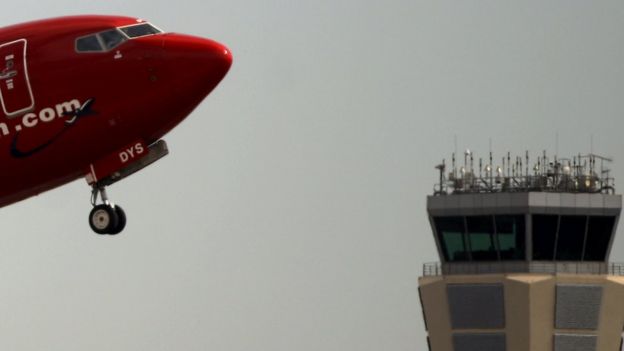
x=579, y=174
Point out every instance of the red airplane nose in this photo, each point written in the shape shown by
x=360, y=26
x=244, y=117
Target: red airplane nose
x=226, y=57
x=216, y=56
x=197, y=65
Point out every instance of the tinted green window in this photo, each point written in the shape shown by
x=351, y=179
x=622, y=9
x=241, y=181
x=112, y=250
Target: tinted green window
x=481, y=236
x=570, y=238
x=544, y=234
x=599, y=232
x=510, y=232
x=451, y=236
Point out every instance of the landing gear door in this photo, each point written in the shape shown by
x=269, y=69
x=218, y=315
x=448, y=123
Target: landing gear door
x=15, y=91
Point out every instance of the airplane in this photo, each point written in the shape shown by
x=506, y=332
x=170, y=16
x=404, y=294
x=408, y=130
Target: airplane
x=92, y=96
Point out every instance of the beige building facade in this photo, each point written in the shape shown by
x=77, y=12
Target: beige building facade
x=523, y=271
x=522, y=312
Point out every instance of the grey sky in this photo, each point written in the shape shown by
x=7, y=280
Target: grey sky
x=290, y=213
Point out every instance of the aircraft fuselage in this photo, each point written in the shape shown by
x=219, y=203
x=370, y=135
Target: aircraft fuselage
x=76, y=89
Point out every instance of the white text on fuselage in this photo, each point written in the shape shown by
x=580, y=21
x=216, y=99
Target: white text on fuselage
x=46, y=115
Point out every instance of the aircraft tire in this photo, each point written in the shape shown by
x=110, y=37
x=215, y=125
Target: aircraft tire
x=121, y=221
x=103, y=219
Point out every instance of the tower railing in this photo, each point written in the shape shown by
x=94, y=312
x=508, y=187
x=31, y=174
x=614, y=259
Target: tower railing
x=433, y=269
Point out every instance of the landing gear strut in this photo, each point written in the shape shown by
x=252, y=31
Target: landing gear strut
x=108, y=218
x=105, y=218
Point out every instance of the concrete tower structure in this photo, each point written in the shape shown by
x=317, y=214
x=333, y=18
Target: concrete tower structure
x=524, y=257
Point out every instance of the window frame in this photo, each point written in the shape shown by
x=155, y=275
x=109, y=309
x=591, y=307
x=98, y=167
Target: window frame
x=571, y=237
x=444, y=249
x=125, y=39
x=103, y=48
x=560, y=237
x=90, y=51
x=160, y=31
x=495, y=219
x=556, y=222
x=609, y=235
x=475, y=234
x=520, y=236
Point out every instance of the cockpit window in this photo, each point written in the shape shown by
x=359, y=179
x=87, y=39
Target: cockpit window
x=111, y=39
x=88, y=44
x=100, y=42
x=140, y=30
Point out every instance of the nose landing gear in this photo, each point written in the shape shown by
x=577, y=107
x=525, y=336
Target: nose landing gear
x=105, y=218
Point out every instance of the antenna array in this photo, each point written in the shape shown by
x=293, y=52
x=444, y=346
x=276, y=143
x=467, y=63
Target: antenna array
x=579, y=174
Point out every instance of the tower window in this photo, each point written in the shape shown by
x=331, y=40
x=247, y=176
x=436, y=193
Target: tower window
x=481, y=234
x=570, y=238
x=544, y=235
x=510, y=233
x=451, y=237
x=599, y=231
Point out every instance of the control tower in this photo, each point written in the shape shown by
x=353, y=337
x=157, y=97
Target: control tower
x=524, y=256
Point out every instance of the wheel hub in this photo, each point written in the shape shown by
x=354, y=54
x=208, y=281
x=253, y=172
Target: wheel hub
x=101, y=219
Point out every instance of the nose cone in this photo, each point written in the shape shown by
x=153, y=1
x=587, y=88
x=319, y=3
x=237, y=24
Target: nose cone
x=196, y=65
x=217, y=56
